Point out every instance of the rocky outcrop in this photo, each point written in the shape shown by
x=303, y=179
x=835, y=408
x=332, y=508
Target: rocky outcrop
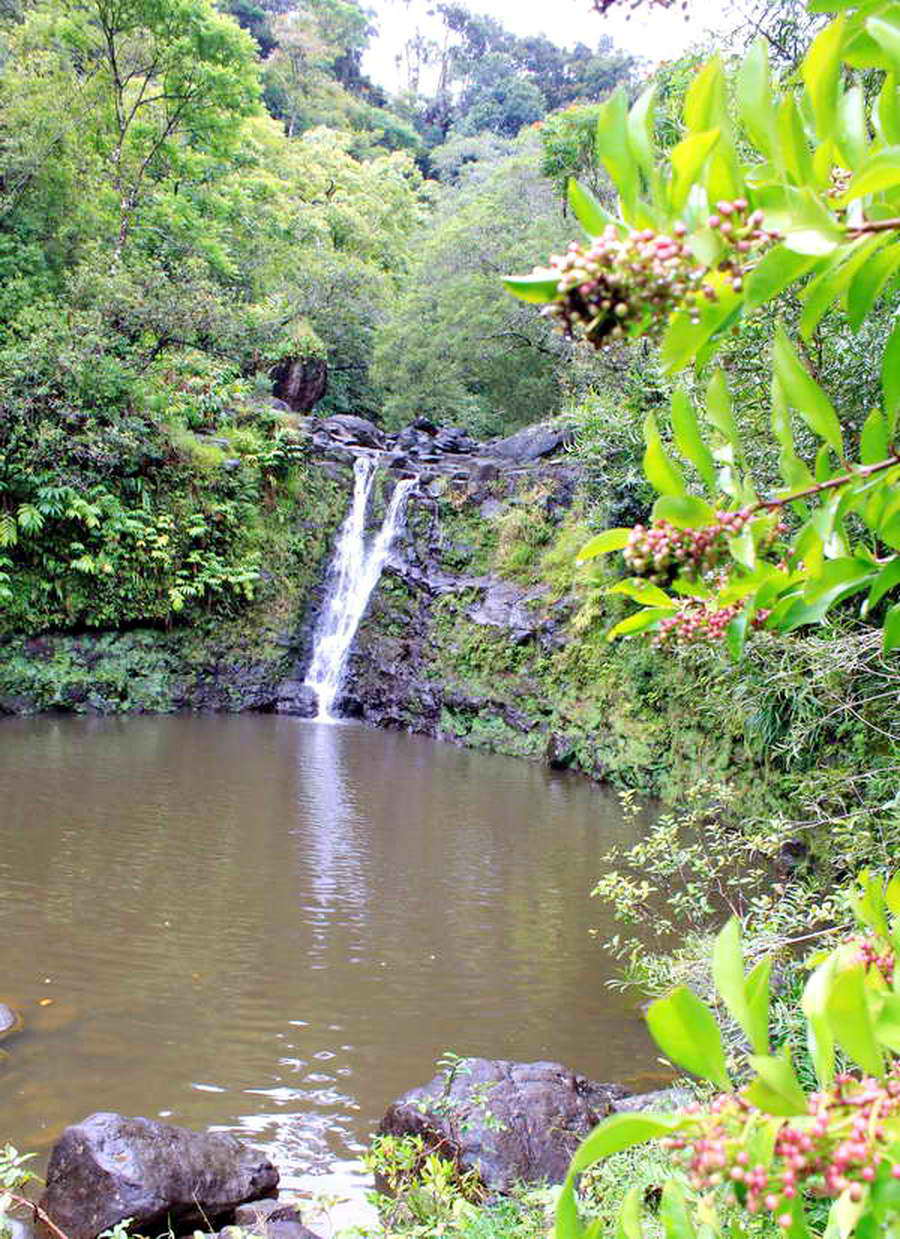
x=533, y=443
x=353, y=431
x=109, y=1168
x=510, y=1122
x=300, y=382
x=295, y=697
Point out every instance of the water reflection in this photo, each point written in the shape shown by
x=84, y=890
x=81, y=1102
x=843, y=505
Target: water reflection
x=276, y=926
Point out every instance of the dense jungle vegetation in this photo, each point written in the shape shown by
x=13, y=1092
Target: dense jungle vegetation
x=193, y=196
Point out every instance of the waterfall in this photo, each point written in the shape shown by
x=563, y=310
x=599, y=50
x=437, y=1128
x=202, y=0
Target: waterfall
x=354, y=573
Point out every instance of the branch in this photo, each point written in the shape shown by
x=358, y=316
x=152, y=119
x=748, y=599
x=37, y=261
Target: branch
x=864, y=471
x=39, y=1214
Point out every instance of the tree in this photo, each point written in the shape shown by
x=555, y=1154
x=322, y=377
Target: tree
x=163, y=72
x=800, y=193
x=453, y=346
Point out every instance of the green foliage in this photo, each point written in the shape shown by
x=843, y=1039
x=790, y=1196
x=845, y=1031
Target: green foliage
x=794, y=183
x=773, y=1143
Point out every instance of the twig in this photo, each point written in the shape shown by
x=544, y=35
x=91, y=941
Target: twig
x=40, y=1215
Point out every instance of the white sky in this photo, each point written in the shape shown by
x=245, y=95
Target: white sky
x=655, y=34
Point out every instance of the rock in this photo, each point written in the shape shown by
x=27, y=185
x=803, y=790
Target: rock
x=300, y=382
x=295, y=697
x=560, y=751
x=533, y=443
x=492, y=508
x=512, y=1122
x=425, y=424
x=10, y=1020
x=661, y=1101
x=452, y=439
x=268, y=1219
x=108, y=1168
x=505, y=606
x=348, y=428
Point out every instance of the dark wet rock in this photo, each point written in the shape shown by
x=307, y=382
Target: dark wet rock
x=425, y=424
x=268, y=1219
x=560, y=751
x=348, y=428
x=532, y=443
x=512, y=1122
x=452, y=439
x=300, y=383
x=109, y=1168
x=10, y=1020
x=295, y=697
x=661, y=1101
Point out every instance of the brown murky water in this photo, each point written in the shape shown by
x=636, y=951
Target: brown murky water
x=275, y=926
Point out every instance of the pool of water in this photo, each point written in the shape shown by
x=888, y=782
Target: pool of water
x=274, y=927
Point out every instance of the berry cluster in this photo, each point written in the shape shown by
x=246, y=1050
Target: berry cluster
x=617, y=283
x=742, y=232
x=873, y=954
x=838, y=1146
x=663, y=552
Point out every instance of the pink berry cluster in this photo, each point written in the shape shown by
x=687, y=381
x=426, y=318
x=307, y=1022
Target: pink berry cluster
x=663, y=552
x=698, y=622
x=837, y=1146
x=741, y=231
x=615, y=283
x=874, y=954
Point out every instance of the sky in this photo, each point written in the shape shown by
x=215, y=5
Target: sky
x=655, y=34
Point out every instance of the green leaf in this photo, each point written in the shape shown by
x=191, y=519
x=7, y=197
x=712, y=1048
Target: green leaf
x=755, y=99
x=687, y=160
x=868, y=283
x=719, y=413
x=805, y=394
x=887, y=36
x=640, y=129
x=837, y=579
x=674, y=1213
x=705, y=106
x=888, y=578
x=603, y=543
x=685, y=1030
x=592, y=216
x=851, y=136
x=613, y=1135
x=851, y=1020
x=689, y=441
x=778, y=268
x=728, y=974
x=890, y=377
x=683, y=511
x=805, y=224
x=639, y=622
x=887, y=112
x=613, y=147
x=814, y=1004
x=821, y=76
x=659, y=469
x=792, y=144
x=629, y=1225
x=642, y=591
x=892, y=629
x=874, y=439
x=757, y=988
x=881, y=171
x=537, y=289
x=777, y=1091
x=838, y=270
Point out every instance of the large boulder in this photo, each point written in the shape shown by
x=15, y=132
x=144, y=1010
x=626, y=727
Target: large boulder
x=300, y=383
x=511, y=1122
x=295, y=697
x=532, y=443
x=347, y=428
x=109, y=1168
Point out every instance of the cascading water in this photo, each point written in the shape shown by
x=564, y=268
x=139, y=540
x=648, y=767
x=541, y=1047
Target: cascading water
x=355, y=571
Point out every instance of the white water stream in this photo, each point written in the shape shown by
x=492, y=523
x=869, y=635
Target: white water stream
x=354, y=573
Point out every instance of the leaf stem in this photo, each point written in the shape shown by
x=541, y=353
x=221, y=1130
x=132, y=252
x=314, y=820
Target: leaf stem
x=39, y=1214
